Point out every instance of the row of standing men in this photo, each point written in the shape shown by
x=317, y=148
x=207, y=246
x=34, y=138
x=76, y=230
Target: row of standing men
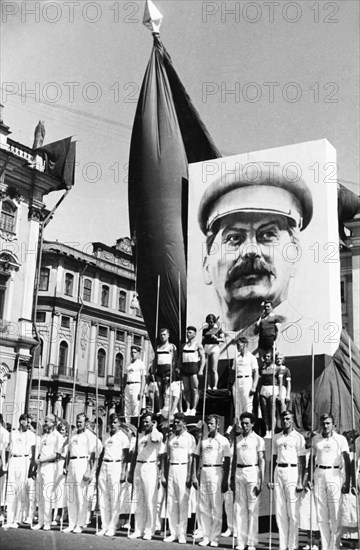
x=180, y=464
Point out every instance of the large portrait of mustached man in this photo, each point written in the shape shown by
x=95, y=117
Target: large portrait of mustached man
x=267, y=226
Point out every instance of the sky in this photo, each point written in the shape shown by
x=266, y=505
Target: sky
x=261, y=74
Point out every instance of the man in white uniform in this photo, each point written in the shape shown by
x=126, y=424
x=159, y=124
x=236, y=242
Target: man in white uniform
x=177, y=478
x=49, y=451
x=21, y=453
x=213, y=456
x=96, y=445
x=113, y=461
x=248, y=474
x=330, y=454
x=79, y=473
x=134, y=383
x=246, y=372
x=145, y=474
x=289, y=466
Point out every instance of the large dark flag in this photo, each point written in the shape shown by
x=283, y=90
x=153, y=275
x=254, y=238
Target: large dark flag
x=167, y=135
x=59, y=158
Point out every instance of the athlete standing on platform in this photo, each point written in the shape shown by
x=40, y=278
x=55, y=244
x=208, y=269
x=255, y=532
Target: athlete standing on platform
x=245, y=377
x=331, y=454
x=212, y=336
x=134, y=383
x=192, y=366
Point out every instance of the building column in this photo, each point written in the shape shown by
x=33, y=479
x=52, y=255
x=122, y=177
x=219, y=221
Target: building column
x=92, y=347
x=54, y=340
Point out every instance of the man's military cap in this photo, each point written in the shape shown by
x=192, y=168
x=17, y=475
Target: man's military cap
x=258, y=187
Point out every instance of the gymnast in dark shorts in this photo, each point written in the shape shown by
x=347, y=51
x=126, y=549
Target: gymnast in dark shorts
x=192, y=364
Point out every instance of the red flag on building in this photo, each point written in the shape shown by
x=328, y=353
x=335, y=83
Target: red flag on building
x=167, y=134
x=59, y=158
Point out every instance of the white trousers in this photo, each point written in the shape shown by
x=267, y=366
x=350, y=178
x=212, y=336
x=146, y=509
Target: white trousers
x=110, y=494
x=177, y=499
x=247, y=506
x=46, y=479
x=15, y=493
x=145, y=497
x=242, y=400
x=76, y=492
x=327, y=493
x=131, y=401
x=210, y=502
x=287, y=503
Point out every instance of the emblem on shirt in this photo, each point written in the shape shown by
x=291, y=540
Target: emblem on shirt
x=209, y=448
x=283, y=445
x=175, y=444
x=326, y=448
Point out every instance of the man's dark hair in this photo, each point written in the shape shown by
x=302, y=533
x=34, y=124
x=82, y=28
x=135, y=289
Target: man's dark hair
x=180, y=416
x=325, y=416
x=191, y=328
x=248, y=415
x=148, y=413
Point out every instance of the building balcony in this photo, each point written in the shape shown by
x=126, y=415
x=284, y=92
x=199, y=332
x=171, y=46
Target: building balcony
x=57, y=372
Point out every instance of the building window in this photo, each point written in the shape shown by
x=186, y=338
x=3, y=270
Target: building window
x=63, y=357
x=119, y=361
x=103, y=331
x=120, y=336
x=65, y=321
x=8, y=216
x=101, y=359
x=69, y=284
x=44, y=278
x=3, y=281
x=122, y=300
x=105, y=291
x=87, y=290
x=40, y=316
x=38, y=354
x=137, y=340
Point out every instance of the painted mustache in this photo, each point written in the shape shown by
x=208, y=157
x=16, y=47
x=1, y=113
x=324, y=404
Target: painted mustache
x=252, y=265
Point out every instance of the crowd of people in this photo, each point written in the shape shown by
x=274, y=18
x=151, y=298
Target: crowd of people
x=172, y=474
x=168, y=468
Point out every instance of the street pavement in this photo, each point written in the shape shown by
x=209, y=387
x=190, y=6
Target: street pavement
x=25, y=539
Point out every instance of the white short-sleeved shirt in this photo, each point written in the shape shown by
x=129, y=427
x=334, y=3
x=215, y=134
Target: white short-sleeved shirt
x=149, y=450
x=95, y=444
x=327, y=450
x=50, y=444
x=181, y=447
x=248, y=447
x=21, y=442
x=134, y=371
x=213, y=449
x=114, y=446
x=245, y=364
x=288, y=447
x=80, y=444
x=4, y=438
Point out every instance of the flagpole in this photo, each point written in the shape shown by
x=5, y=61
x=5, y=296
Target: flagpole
x=234, y=518
x=353, y=430
x=272, y=447
x=312, y=431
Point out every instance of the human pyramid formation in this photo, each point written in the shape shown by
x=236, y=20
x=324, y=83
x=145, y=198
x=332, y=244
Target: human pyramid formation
x=162, y=470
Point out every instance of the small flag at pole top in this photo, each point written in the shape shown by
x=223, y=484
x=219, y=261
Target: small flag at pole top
x=152, y=17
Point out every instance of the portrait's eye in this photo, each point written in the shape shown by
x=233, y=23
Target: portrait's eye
x=233, y=239
x=268, y=235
